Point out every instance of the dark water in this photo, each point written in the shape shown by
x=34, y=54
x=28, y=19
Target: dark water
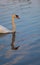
x=27, y=32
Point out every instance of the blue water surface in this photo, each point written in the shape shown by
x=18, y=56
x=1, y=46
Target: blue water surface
x=27, y=32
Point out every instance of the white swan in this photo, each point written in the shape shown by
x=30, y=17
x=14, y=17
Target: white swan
x=5, y=30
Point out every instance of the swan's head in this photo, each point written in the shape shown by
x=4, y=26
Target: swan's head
x=15, y=16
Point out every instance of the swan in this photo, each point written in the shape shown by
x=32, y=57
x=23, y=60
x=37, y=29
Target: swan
x=4, y=30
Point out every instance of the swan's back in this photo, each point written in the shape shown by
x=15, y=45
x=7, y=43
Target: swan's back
x=4, y=29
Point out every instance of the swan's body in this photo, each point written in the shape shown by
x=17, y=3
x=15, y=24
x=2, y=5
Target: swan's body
x=5, y=30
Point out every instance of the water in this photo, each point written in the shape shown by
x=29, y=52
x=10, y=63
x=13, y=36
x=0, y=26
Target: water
x=27, y=34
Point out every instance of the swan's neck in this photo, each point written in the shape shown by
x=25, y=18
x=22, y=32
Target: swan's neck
x=13, y=25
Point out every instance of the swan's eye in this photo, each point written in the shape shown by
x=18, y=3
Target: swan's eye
x=17, y=16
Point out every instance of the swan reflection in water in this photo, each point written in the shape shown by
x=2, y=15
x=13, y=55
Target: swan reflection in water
x=13, y=40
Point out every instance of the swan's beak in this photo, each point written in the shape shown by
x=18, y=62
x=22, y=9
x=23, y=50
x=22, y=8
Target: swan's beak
x=17, y=17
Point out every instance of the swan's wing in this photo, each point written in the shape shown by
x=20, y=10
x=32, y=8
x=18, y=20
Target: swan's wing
x=4, y=29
